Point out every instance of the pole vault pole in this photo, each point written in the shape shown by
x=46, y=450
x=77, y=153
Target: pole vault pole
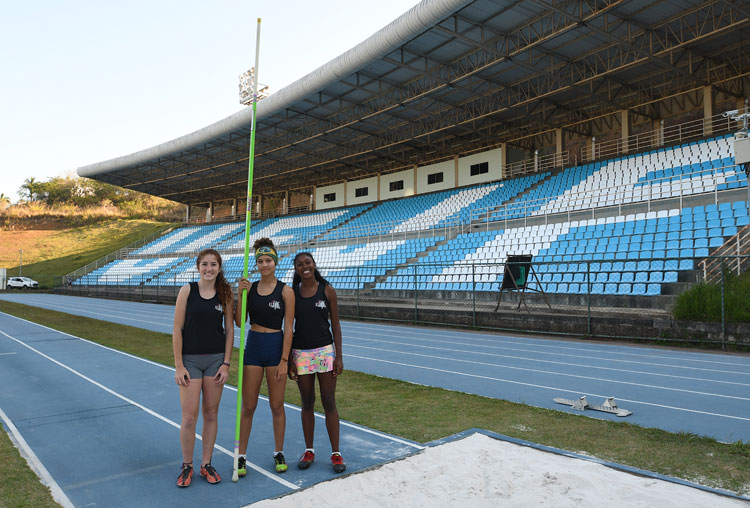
x=243, y=297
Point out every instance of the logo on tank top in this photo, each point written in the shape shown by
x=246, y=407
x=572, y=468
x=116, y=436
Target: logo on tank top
x=321, y=304
x=274, y=304
x=219, y=307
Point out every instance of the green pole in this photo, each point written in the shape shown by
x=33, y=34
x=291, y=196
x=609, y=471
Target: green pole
x=243, y=297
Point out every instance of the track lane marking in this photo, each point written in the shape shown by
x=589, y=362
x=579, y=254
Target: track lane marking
x=146, y=409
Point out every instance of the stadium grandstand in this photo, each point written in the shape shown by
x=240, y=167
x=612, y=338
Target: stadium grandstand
x=592, y=136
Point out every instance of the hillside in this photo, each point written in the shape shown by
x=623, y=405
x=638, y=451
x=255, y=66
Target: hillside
x=55, y=247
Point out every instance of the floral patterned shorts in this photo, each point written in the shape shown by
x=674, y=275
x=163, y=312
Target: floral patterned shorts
x=310, y=361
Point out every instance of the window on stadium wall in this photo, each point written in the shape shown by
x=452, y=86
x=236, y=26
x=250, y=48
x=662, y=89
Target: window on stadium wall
x=479, y=169
x=433, y=178
x=396, y=186
x=361, y=192
x=327, y=198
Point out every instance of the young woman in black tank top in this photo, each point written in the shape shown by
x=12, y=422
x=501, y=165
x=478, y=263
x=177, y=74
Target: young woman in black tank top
x=316, y=352
x=202, y=340
x=269, y=303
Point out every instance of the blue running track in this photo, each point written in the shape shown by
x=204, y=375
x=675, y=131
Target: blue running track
x=105, y=425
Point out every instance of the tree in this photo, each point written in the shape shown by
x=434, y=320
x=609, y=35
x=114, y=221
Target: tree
x=4, y=201
x=30, y=189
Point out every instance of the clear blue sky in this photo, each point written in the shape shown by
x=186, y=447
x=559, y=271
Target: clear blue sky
x=85, y=81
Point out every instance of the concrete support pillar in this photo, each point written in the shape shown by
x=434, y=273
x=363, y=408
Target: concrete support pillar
x=346, y=193
x=592, y=151
x=312, y=197
x=503, y=158
x=378, y=187
x=455, y=168
x=536, y=161
x=259, y=207
x=234, y=207
x=187, y=213
x=625, y=122
x=208, y=212
x=558, y=147
x=416, y=181
x=708, y=110
x=285, y=208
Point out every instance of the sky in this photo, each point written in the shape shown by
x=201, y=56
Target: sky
x=87, y=81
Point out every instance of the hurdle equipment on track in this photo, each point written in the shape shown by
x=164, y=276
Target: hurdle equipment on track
x=608, y=406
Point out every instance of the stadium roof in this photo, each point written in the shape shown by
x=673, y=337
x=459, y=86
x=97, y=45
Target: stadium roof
x=453, y=77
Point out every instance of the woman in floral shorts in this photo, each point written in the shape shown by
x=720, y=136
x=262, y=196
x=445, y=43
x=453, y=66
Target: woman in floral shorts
x=316, y=352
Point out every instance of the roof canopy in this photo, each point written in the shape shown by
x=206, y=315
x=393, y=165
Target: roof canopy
x=452, y=77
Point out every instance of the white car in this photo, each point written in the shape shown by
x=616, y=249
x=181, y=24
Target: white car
x=22, y=283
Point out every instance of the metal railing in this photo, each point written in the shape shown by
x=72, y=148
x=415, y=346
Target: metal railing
x=672, y=135
x=730, y=256
x=615, y=196
x=631, y=298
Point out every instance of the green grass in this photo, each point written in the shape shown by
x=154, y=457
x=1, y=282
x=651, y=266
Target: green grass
x=20, y=487
x=49, y=254
x=702, y=302
x=423, y=413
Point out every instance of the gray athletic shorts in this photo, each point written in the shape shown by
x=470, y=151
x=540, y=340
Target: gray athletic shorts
x=199, y=366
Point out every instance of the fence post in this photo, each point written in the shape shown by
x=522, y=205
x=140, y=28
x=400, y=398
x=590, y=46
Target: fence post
x=416, y=302
x=359, y=290
x=473, y=295
x=723, y=310
x=588, y=297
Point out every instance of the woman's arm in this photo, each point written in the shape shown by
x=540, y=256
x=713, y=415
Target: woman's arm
x=288, y=295
x=223, y=373
x=181, y=375
x=242, y=285
x=338, y=362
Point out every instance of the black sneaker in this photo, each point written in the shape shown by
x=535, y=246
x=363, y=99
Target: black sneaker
x=241, y=466
x=280, y=462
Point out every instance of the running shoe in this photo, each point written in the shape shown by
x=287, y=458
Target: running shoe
x=241, y=466
x=186, y=475
x=338, y=463
x=306, y=460
x=210, y=474
x=280, y=462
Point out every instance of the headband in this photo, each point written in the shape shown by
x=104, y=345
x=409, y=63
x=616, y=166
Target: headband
x=265, y=250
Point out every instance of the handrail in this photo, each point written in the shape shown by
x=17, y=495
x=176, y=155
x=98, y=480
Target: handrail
x=118, y=253
x=674, y=134
x=738, y=245
x=531, y=208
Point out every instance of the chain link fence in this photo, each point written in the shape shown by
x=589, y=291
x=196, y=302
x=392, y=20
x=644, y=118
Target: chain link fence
x=703, y=300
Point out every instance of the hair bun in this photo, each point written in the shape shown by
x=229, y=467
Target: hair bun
x=263, y=242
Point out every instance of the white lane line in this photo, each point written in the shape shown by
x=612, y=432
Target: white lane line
x=34, y=463
x=3, y=354
x=93, y=313
x=228, y=387
x=545, y=343
x=147, y=410
x=504, y=348
x=576, y=376
x=536, y=360
x=557, y=389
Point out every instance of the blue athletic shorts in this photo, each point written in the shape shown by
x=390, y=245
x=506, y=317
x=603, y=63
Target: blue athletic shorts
x=263, y=348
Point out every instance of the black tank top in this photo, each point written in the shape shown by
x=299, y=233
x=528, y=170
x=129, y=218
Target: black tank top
x=311, y=326
x=266, y=311
x=203, y=331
